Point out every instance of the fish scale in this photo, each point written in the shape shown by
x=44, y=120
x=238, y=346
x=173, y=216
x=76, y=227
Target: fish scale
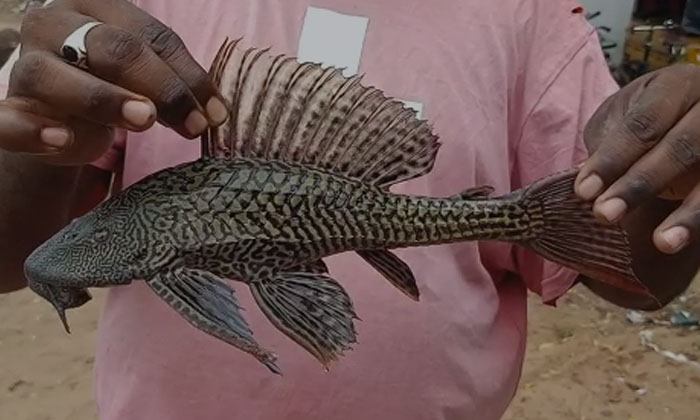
x=302, y=170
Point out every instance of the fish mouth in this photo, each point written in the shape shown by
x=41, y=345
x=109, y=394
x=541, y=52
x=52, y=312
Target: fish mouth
x=61, y=298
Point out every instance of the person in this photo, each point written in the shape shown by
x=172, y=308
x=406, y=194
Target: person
x=516, y=90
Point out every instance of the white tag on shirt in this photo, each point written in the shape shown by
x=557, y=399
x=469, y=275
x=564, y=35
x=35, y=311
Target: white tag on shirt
x=336, y=39
x=333, y=38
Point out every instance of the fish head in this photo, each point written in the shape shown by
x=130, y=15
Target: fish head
x=101, y=248
x=97, y=249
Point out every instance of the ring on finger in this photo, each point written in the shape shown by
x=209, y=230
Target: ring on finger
x=73, y=49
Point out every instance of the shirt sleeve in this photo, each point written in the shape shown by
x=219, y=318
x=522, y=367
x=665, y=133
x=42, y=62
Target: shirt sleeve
x=552, y=140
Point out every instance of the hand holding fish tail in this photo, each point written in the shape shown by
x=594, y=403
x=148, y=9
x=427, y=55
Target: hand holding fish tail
x=644, y=171
x=136, y=71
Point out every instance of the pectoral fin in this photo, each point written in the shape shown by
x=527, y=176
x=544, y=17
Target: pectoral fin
x=210, y=304
x=311, y=309
x=393, y=269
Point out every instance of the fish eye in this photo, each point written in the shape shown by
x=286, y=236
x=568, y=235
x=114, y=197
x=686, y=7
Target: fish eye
x=70, y=235
x=101, y=235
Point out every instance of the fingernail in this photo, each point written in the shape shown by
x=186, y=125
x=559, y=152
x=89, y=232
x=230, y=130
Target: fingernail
x=217, y=111
x=676, y=237
x=196, y=123
x=55, y=137
x=612, y=209
x=590, y=187
x=137, y=113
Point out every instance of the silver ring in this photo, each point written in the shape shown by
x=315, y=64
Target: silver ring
x=73, y=49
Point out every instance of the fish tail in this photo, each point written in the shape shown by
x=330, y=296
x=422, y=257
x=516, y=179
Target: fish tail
x=565, y=230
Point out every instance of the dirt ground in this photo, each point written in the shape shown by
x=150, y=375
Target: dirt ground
x=585, y=360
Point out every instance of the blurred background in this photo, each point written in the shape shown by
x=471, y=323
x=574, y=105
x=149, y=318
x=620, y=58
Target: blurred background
x=585, y=360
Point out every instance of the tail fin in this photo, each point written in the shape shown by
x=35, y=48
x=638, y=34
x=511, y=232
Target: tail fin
x=567, y=232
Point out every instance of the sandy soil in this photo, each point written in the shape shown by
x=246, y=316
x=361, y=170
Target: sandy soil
x=585, y=361
x=46, y=373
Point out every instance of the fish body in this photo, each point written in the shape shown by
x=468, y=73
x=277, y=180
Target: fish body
x=293, y=214
x=302, y=171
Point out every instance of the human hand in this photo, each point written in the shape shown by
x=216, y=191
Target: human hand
x=645, y=143
x=139, y=72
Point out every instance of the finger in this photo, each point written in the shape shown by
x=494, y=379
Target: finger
x=682, y=186
x=651, y=113
x=91, y=141
x=22, y=131
x=681, y=227
x=51, y=81
x=121, y=58
x=118, y=56
x=676, y=154
x=163, y=42
x=34, y=128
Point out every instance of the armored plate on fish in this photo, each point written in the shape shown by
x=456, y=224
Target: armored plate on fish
x=302, y=170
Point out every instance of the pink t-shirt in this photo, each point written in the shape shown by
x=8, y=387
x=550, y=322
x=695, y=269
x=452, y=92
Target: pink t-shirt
x=508, y=85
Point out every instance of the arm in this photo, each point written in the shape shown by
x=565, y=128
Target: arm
x=35, y=201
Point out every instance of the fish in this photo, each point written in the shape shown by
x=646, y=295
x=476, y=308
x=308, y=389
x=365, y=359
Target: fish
x=302, y=170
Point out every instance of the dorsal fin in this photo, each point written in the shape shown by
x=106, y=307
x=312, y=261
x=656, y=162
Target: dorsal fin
x=281, y=109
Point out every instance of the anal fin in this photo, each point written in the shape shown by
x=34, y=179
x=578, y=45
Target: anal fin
x=209, y=304
x=311, y=309
x=393, y=269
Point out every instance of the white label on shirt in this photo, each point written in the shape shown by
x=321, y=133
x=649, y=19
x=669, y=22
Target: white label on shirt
x=337, y=39
x=332, y=38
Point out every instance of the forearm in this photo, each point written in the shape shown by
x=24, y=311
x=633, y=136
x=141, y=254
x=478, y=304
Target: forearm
x=666, y=276
x=35, y=201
